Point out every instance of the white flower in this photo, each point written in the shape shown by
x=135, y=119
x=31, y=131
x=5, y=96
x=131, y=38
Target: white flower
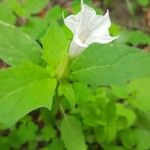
x=88, y=28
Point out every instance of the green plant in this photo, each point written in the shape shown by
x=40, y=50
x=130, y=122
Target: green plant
x=94, y=99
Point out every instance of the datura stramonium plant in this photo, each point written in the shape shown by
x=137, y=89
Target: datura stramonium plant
x=88, y=28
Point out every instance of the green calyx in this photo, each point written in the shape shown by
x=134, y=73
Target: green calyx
x=62, y=70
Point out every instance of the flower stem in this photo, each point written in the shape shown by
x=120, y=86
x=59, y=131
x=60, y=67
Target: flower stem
x=62, y=70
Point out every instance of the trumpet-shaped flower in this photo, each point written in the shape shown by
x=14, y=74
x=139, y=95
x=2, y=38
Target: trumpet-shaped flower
x=88, y=28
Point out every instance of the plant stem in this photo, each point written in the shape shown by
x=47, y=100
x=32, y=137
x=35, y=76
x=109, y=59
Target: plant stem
x=62, y=70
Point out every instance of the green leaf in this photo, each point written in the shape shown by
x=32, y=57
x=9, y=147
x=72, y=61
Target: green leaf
x=129, y=114
x=55, y=45
x=67, y=90
x=15, y=46
x=72, y=134
x=91, y=114
x=120, y=91
x=34, y=6
x=138, y=138
x=142, y=139
x=47, y=133
x=27, y=7
x=56, y=144
x=4, y=143
x=144, y=119
x=110, y=114
x=22, y=89
x=76, y=7
x=113, y=147
x=114, y=29
x=134, y=37
x=143, y=3
x=127, y=138
x=141, y=90
x=82, y=92
x=99, y=134
x=55, y=13
x=110, y=132
x=17, y=7
x=110, y=64
x=6, y=14
x=121, y=123
x=22, y=134
x=35, y=27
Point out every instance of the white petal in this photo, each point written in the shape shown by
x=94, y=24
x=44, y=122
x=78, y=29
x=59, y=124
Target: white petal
x=81, y=21
x=103, y=37
x=76, y=47
x=100, y=21
x=86, y=15
x=106, y=20
x=78, y=41
x=72, y=22
x=103, y=40
x=87, y=10
x=100, y=33
x=88, y=28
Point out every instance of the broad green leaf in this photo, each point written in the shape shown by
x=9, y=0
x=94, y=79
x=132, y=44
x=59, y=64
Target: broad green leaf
x=6, y=14
x=141, y=90
x=67, y=90
x=55, y=13
x=17, y=7
x=110, y=64
x=34, y=6
x=27, y=8
x=15, y=46
x=134, y=37
x=22, y=89
x=36, y=27
x=72, y=134
x=55, y=45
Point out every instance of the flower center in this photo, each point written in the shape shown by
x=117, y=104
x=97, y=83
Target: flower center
x=83, y=37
